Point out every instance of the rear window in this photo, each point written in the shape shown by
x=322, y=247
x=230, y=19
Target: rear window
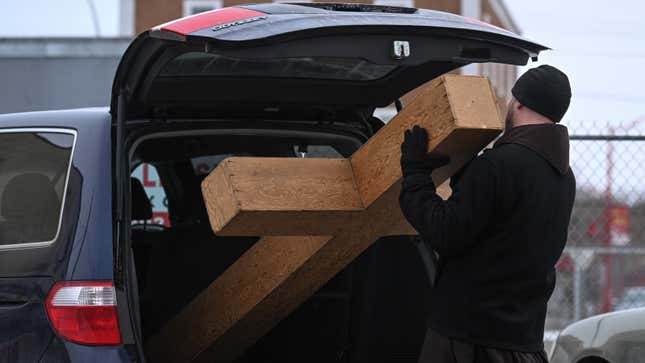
x=204, y=165
x=195, y=64
x=155, y=192
x=34, y=168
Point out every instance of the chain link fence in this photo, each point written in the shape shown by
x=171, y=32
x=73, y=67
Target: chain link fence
x=603, y=266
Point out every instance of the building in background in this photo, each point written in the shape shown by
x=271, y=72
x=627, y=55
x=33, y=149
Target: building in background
x=149, y=13
x=57, y=73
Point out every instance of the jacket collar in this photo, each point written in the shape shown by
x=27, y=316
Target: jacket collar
x=550, y=141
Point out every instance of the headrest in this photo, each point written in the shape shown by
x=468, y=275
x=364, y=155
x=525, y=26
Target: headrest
x=141, y=206
x=29, y=196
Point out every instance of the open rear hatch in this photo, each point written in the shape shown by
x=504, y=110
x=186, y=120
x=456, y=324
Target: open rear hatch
x=336, y=55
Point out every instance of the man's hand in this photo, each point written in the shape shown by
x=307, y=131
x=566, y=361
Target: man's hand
x=414, y=153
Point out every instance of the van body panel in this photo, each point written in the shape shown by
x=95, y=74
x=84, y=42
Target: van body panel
x=83, y=247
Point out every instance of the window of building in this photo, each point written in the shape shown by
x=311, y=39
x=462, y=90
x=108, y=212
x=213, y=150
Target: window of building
x=291, y=1
x=192, y=7
x=34, y=171
x=403, y=3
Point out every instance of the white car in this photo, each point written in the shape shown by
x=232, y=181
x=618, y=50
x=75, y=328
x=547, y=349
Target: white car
x=617, y=337
x=634, y=297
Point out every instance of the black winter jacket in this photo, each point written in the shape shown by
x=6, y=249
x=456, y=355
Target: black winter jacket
x=498, y=237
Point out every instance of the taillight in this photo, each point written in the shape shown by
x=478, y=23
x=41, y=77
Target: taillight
x=84, y=312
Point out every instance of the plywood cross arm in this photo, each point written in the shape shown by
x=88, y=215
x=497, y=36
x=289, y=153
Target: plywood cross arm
x=281, y=196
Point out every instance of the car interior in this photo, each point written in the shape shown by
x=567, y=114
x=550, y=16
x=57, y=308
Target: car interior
x=30, y=197
x=350, y=319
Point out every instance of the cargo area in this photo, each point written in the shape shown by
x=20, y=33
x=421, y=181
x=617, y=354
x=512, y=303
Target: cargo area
x=369, y=312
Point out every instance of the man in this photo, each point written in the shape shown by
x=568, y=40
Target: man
x=501, y=232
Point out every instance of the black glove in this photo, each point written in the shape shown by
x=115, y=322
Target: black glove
x=415, y=158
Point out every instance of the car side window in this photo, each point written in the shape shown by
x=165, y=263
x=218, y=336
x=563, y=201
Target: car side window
x=149, y=177
x=34, y=170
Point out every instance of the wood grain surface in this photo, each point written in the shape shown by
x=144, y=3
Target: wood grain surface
x=450, y=105
x=280, y=196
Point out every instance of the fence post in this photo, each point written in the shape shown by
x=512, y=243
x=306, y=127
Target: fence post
x=577, y=289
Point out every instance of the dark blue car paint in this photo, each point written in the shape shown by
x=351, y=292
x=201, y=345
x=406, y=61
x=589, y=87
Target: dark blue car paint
x=83, y=250
x=24, y=328
x=286, y=18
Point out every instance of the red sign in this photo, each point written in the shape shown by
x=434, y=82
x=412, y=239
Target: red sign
x=619, y=220
x=615, y=222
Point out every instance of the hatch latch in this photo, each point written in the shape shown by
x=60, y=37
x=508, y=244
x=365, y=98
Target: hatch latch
x=400, y=49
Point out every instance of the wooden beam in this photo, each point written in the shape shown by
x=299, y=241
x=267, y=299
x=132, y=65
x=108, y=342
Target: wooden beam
x=264, y=286
x=277, y=196
x=278, y=273
x=461, y=116
x=225, y=316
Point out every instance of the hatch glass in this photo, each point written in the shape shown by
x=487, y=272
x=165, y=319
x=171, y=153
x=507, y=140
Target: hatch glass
x=195, y=64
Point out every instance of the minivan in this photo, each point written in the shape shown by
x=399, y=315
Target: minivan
x=89, y=270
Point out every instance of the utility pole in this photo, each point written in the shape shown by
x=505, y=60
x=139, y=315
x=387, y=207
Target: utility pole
x=126, y=18
x=609, y=201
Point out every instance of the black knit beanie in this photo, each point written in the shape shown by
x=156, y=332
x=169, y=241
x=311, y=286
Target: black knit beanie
x=545, y=90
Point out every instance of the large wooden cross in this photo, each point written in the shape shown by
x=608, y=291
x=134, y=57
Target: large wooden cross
x=315, y=216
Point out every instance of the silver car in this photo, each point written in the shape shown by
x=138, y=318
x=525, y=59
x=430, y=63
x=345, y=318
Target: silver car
x=617, y=337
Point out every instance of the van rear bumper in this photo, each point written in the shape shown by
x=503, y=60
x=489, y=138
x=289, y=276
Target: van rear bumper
x=64, y=351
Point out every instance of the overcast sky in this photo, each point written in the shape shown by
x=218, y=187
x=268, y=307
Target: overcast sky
x=599, y=44
x=58, y=18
